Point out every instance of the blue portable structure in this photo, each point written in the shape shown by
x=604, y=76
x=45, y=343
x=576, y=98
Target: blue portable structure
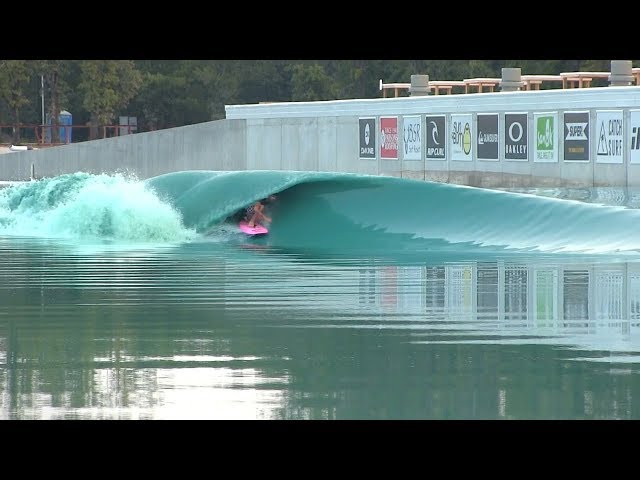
x=65, y=120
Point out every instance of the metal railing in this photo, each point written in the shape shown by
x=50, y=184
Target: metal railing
x=42, y=135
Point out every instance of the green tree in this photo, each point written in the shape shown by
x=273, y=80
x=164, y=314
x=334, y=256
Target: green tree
x=263, y=81
x=14, y=78
x=107, y=86
x=55, y=90
x=310, y=83
x=190, y=92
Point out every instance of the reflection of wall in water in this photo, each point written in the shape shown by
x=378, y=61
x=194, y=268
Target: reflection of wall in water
x=488, y=283
x=634, y=299
x=434, y=299
x=411, y=296
x=389, y=287
x=573, y=295
x=545, y=296
x=516, y=280
x=367, y=286
x=459, y=289
x=609, y=293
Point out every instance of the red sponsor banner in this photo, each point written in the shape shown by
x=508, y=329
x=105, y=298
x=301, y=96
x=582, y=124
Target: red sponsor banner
x=389, y=138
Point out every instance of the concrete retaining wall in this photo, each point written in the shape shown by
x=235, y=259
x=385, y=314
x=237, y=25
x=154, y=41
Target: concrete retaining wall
x=328, y=136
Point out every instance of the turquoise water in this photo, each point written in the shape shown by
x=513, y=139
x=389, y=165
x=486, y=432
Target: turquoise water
x=371, y=298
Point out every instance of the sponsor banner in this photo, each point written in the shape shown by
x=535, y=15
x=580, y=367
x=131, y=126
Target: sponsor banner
x=545, y=127
x=634, y=150
x=412, y=138
x=516, y=136
x=487, y=139
x=389, y=138
x=436, y=137
x=461, y=137
x=609, y=140
x=367, y=138
x=576, y=136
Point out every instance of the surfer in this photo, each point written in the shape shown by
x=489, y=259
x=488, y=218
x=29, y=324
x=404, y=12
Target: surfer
x=255, y=213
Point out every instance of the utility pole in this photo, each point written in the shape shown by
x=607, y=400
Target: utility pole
x=42, y=95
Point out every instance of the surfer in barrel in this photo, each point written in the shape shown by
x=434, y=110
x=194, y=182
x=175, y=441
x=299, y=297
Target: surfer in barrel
x=254, y=213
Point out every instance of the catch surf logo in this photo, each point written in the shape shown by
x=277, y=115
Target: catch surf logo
x=610, y=136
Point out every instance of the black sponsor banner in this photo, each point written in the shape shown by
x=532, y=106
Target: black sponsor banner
x=576, y=136
x=436, y=137
x=487, y=138
x=367, y=138
x=516, y=134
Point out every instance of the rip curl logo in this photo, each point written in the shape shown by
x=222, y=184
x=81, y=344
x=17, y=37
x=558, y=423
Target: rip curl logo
x=436, y=137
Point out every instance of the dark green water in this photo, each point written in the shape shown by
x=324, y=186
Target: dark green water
x=118, y=302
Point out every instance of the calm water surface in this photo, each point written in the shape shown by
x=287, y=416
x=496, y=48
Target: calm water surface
x=483, y=306
x=203, y=331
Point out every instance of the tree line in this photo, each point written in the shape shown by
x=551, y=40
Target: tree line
x=171, y=93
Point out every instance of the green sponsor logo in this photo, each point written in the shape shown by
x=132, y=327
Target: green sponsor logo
x=544, y=137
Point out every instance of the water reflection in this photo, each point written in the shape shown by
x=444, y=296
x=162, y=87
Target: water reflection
x=209, y=331
x=537, y=298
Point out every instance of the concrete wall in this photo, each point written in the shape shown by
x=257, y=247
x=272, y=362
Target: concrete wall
x=326, y=136
x=499, y=172
x=218, y=145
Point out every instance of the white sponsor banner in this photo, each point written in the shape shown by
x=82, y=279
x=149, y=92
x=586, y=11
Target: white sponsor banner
x=461, y=138
x=634, y=149
x=545, y=140
x=609, y=137
x=412, y=138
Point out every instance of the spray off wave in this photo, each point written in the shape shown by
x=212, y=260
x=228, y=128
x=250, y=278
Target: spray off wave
x=85, y=206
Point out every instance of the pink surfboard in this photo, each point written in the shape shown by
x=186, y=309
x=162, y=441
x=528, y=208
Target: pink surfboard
x=256, y=230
